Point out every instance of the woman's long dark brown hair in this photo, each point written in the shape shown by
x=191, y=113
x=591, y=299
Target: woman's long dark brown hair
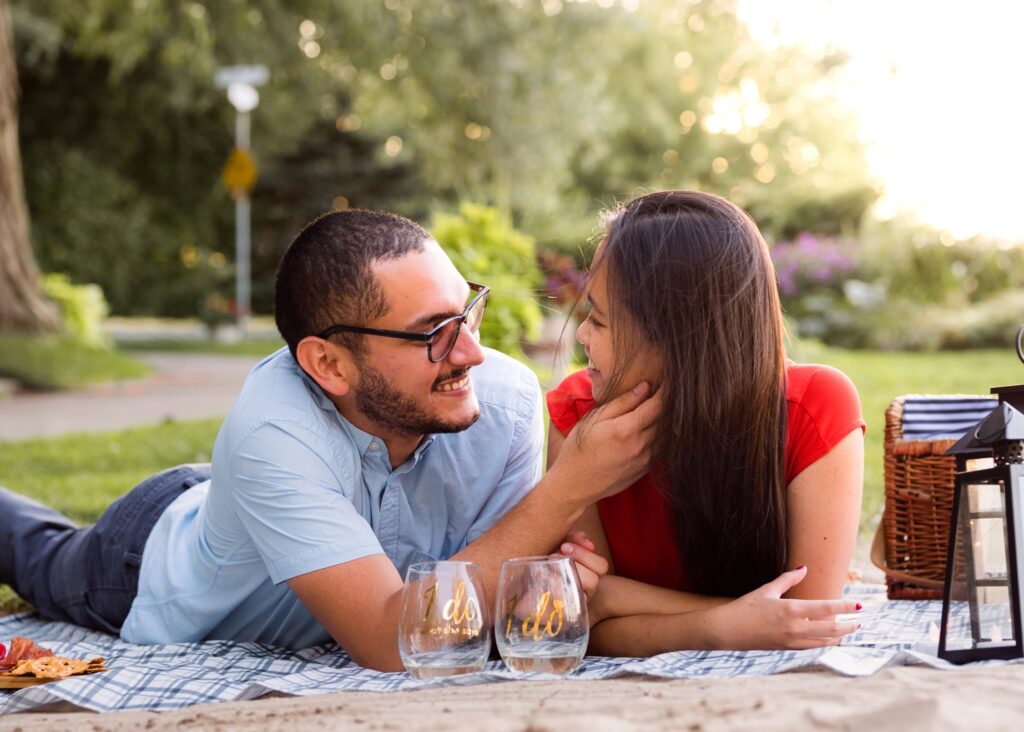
x=695, y=278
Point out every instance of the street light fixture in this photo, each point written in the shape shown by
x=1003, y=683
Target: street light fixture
x=240, y=173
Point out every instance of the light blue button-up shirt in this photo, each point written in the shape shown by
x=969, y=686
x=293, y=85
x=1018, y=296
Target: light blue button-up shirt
x=296, y=488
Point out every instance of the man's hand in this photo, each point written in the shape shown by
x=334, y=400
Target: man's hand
x=763, y=620
x=610, y=448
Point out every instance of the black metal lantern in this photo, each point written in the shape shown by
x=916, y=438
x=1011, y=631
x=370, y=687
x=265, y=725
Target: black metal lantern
x=983, y=602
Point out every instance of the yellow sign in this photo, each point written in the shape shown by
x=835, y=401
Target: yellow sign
x=239, y=174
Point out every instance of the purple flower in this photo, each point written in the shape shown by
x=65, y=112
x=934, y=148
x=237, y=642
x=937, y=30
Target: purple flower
x=809, y=261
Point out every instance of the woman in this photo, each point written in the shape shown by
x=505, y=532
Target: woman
x=759, y=460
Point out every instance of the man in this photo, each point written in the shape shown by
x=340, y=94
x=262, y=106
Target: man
x=379, y=437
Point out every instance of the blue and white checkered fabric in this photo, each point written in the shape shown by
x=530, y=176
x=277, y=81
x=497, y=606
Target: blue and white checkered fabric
x=178, y=675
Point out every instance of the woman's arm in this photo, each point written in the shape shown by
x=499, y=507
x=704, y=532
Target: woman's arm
x=823, y=504
x=760, y=620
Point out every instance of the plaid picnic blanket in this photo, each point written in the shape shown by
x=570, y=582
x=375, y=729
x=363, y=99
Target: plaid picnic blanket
x=177, y=675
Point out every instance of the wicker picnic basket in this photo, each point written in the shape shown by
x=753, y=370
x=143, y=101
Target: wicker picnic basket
x=918, y=506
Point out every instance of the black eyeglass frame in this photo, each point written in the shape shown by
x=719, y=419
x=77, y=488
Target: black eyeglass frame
x=482, y=291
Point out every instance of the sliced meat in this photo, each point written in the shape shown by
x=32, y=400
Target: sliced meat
x=22, y=649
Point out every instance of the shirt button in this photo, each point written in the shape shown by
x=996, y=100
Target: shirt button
x=374, y=445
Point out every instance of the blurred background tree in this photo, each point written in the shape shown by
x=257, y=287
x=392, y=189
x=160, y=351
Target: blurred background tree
x=546, y=110
x=23, y=305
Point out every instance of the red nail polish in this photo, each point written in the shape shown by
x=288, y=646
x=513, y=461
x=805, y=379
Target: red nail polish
x=859, y=606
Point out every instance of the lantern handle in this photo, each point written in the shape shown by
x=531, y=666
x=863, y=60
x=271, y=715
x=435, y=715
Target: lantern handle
x=1020, y=344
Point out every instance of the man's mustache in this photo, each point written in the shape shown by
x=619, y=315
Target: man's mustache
x=451, y=376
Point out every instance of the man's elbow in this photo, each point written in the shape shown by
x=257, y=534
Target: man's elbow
x=377, y=661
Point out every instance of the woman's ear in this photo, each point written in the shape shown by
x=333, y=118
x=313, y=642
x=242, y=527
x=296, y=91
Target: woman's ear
x=329, y=365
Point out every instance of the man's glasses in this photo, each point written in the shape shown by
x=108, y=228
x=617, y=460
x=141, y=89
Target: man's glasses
x=441, y=338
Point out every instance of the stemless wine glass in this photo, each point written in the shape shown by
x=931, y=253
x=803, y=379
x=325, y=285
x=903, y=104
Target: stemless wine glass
x=541, y=621
x=445, y=628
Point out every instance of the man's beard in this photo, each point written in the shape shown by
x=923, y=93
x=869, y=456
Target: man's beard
x=380, y=401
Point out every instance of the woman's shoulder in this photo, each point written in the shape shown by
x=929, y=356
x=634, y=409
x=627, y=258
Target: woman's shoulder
x=823, y=408
x=816, y=383
x=570, y=400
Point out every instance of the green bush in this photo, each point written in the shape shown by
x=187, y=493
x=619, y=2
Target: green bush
x=486, y=248
x=902, y=324
x=902, y=286
x=82, y=308
x=62, y=362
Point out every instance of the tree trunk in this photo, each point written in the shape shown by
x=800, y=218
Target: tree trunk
x=23, y=306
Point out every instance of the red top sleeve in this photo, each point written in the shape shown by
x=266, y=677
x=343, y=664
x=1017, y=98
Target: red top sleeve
x=570, y=400
x=822, y=407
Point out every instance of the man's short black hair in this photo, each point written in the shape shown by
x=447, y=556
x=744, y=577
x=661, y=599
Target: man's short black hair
x=326, y=276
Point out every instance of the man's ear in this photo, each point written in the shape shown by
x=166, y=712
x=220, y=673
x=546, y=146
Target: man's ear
x=329, y=365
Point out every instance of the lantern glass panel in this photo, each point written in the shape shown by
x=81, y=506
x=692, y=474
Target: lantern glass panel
x=981, y=463
x=980, y=613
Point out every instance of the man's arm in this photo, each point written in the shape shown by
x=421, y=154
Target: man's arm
x=359, y=602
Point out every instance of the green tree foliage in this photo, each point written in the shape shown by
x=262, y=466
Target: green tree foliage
x=546, y=109
x=485, y=248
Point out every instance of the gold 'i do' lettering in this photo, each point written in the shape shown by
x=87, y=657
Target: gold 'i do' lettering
x=532, y=623
x=510, y=611
x=432, y=592
x=460, y=609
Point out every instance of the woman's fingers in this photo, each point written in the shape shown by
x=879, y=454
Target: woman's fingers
x=821, y=609
x=624, y=403
x=579, y=537
x=828, y=629
x=590, y=565
x=783, y=583
x=589, y=580
x=585, y=557
x=805, y=644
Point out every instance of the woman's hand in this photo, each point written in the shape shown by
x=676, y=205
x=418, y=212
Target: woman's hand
x=763, y=620
x=590, y=565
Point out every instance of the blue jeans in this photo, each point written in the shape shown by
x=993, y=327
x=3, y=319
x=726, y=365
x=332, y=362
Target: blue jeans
x=87, y=576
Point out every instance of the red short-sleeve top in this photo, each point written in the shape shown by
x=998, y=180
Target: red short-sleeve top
x=822, y=408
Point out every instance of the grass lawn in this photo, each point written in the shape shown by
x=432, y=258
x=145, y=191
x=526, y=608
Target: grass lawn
x=81, y=474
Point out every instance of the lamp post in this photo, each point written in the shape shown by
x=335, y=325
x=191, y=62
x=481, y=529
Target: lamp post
x=983, y=606
x=240, y=173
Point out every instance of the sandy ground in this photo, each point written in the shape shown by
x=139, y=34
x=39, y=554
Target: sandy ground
x=902, y=699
